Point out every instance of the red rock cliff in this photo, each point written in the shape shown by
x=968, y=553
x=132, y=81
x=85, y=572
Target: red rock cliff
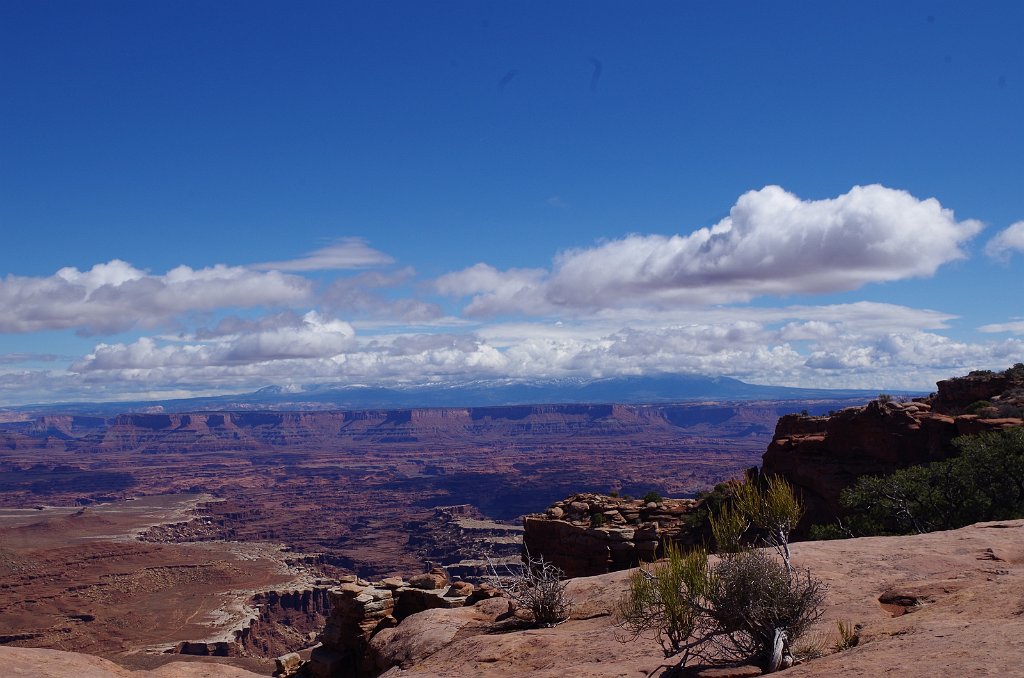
x=820, y=456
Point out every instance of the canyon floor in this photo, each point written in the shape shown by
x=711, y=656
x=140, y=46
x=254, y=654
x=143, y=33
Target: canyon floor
x=79, y=579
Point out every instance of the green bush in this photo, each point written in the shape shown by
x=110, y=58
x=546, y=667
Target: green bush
x=597, y=520
x=749, y=605
x=667, y=599
x=653, y=497
x=984, y=482
x=977, y=405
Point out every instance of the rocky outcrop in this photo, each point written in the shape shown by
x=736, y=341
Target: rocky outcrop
x=361, y=610
x=285, y=621
x=282, y=622
x=964, y=591
x=820, y=456
x=590, y=534
x=990, y=394
x=458, y=535
x=943, y=603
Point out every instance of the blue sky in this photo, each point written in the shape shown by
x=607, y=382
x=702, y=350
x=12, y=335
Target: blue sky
x=213, y=197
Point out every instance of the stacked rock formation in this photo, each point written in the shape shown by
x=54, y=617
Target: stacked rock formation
x=590, y=534
x=820, y=456
x=361, y=609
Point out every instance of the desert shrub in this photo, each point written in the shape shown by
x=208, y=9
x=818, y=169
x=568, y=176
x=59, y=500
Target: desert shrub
x=849, y=636
x=666, y=599
x=653, y=497
x=597, y=520
x=539, y=587
x=751, y=604
x=758, y=606
x=884, y=398
x=984, y=482
x=978, y=405
x=827, y=532
x=709, y=503
x=1007, y=410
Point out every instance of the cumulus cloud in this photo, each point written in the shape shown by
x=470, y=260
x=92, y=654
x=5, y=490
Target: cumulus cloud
x=515, y=290
x=116, y=296
x=346, y=253
x=642, y=304
x=1006, y=242
x=772, y=243
x=866, y=345
x=312, y=337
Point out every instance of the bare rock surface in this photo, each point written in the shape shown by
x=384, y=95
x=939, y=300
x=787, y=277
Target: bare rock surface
x=939, y=604
x=40, y=663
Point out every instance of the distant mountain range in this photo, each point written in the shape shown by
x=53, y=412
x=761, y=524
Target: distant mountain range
x=624, y=390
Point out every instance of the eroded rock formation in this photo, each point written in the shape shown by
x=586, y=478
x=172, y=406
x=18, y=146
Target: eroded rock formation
x=820, y=456
x=590, y=534
x=360, y=611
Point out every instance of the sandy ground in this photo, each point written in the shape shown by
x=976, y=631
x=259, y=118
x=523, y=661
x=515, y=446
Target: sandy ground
x=77, y=579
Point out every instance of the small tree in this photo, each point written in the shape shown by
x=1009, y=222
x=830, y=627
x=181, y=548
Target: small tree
x=984, y=482
x=747, y=605
x=539, y=587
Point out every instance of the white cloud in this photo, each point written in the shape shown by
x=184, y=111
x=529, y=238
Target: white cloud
x=643, y=304
x=115, y=296
x=1015, y=326
x=1006, y=242
x=519, y=290
x=772, y=243
x=361, y=295
x=346, y=253
x=862, y=345
x=312, y=337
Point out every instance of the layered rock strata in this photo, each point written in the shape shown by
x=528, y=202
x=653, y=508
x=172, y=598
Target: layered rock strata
x=820, y=456
x=360, y=610
x=590, y=534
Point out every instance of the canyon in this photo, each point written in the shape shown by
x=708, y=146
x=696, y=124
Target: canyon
x=242, y=520
x=231, y=538
x=370, y=479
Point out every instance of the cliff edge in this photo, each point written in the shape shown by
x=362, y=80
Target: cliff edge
x=943, y=603
x=820, y=456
